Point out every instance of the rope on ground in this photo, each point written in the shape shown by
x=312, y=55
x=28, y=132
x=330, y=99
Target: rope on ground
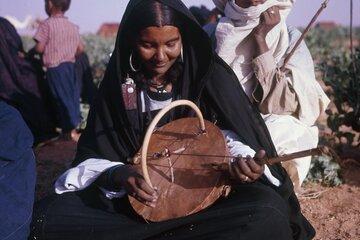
x=311, y=194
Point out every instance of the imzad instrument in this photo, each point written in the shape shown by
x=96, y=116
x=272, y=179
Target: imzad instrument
x=187, y=160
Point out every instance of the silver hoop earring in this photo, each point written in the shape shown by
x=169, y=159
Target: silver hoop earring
x=131, y=64
x=182, y=54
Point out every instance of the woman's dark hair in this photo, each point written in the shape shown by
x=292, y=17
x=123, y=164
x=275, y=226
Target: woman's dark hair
x=153, y=13
x=62, y=5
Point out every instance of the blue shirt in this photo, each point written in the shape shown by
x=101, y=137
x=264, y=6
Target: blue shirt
x=17, y=174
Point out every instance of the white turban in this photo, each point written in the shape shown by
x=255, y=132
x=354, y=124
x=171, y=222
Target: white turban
x=238, y=23
x=231, y=34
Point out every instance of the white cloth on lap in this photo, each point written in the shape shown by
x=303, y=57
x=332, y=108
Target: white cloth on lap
x=83, y=175
x=290, y=135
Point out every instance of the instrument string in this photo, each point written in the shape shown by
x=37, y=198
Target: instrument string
x=321, y=150
x=167, y=153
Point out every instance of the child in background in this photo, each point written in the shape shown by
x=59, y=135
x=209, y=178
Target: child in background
x=59, y=41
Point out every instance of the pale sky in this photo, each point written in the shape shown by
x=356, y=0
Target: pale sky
x=90, y=14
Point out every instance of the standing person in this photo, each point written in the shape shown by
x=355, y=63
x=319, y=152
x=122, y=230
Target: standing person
x=161, y=55
x=22, y=84
x=17, y=175
x=59, y=41
x=253, y=39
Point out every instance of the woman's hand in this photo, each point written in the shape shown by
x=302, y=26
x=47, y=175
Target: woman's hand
x=246, y=169
x=128, y=177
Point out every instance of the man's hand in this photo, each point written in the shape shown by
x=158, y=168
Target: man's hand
x=268, y=20
x=128, y=177
x=246, y=169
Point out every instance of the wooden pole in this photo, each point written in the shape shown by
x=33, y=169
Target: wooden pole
x=323, y=6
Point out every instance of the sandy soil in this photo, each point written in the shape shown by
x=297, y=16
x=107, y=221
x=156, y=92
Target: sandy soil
x=334, y=212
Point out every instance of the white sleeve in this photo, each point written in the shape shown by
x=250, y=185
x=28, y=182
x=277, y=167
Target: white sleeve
x=237, y=148
x=84, y=174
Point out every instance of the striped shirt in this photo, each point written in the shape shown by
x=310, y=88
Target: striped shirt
x=61, y=38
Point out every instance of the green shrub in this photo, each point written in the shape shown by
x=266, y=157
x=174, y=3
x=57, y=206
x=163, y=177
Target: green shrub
x=99, y=50
x=342, y=73
x=335, y=67
x=324, y=170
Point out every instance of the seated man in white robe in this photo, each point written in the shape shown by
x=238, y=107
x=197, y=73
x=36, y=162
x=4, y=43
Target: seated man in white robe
x=254, y=39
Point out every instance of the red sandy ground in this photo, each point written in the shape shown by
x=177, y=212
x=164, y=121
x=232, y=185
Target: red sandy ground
x=335, y=214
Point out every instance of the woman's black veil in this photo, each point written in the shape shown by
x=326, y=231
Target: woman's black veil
x=112, y=132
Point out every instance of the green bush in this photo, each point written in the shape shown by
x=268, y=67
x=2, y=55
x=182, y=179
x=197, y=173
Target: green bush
x=334, y=65
x=342, y=73
x=99, y=50
x=324, y=170
x=323, y=44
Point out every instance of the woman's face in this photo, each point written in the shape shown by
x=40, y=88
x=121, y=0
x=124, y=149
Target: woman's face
x=249, y=3
x=158, y=48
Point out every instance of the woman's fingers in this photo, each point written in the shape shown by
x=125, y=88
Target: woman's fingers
x=238, y=173
x=260, y=154
x=144, y=197
x=246, y=170
x=139, y=189
x=256, y=168
x=145, y=187
x=138, y=192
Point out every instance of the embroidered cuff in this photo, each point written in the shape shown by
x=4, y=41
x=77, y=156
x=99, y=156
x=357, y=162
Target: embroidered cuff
x=264, y=65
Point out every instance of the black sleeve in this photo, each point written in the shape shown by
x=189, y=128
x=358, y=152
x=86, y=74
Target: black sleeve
x=100, y=138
